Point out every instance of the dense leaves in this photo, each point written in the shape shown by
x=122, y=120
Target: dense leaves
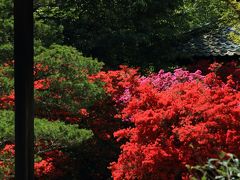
x=225, y=167
x=179, y=118
x=50, y=138
x=117, y=32
x=57, y=132
x=186, y=124
x=122, y=31
x=61, y=74
x=138, y=32
x=163, y=120
x=47, y=165
x=61, y=83
x=45, y=32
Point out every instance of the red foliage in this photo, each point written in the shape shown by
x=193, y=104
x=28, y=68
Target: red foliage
x=7, y=101
x=117, y=81
x=186, y=124
x=7, y=162
x=222, y=69
x=52, y=164
x=42, y=84
x=105, y=121
x=39, y=68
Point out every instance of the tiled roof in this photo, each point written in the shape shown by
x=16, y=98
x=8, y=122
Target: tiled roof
x=209, y=42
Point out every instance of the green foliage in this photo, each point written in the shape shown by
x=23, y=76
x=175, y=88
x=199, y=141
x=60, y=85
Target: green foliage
x=67, y=72
x=46, y=32
x=234, y=5
x=118, y=32
x=61, y=81
x=202, y=12
x=6, y=79
x=57, y=56
x=235, y=37
x=227, y=167
x=6, y=51
x=214, y=12
x=6, y=30
x=129, y=32
x=58, y=132
x=139, y=32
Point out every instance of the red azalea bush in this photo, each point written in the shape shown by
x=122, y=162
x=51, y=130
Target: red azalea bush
x=49, y=164
x=116, y=82
x=185, y=124
x=53, y=164
x=222, y=68
x=102, y=120
x=7, y=161
x=104, y=113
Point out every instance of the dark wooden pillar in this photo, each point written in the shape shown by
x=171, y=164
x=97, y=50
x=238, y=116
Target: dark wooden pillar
x=23, y=67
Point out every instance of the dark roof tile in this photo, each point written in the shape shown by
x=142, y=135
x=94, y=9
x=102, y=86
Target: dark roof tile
x=212, y=42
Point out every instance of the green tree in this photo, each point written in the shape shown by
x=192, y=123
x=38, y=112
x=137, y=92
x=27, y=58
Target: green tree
x=118, y=31
x=59, y=133
x=6, y=29
x=204, y=12
x=137, y=32
x=235, y=4
x=46, y=32
x=207, y=13
x=61, y=82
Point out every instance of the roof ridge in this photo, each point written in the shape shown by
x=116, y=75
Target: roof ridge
x=202, y=28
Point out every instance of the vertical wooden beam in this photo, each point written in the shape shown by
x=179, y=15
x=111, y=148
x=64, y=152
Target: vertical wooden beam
x=23, y=67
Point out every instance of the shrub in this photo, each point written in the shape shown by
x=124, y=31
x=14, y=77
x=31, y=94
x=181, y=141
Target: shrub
x=62, y=73
x=225, y=167
x=223, y=69
x=61, y=83
x=184, y=124
x=51, y=139
x=6, y=52
x=103, y=115
x=57, y=132
x=52, y=164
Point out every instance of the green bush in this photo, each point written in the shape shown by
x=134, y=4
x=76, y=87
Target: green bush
x=66, y=71
x=6, y=52
x=54, y=142
x=62, y=87
x=57, y=132
x=227, y=167
x=6, y=79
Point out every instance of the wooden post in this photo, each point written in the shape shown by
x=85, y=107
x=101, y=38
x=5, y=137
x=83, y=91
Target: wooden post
x=23, y=77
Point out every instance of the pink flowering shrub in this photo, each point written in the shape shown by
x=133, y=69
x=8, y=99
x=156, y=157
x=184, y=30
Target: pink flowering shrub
x=164, y=80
